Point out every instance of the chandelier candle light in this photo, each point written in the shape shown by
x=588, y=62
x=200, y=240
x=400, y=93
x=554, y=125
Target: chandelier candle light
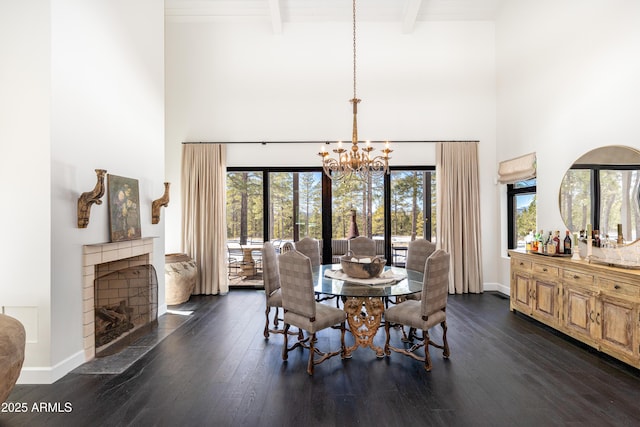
x=355, y=163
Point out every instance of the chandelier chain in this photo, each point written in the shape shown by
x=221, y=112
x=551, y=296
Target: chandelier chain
x=354, y=49
x=358, y=162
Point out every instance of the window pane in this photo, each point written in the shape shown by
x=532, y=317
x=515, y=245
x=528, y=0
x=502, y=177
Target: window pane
x=525, y=217
x=412, y=208
x=244, y=207
x=619, y=194
x=527, y=183
x=575, y=199
x=295, y=205
x=366, y=198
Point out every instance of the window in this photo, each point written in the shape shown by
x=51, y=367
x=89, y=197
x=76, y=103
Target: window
x=365, y=199
x=521, y=211
x=244, y=207
x=413, y=201
x=295, y=205
x=287, y=204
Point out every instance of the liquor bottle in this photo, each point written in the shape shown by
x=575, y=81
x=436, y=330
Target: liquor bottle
x=551, y=248
x=541, y=243
x=567, y=243
x=556, y=241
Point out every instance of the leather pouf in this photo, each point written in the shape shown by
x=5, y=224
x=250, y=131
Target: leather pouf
x=12, y=342
x=180, y=275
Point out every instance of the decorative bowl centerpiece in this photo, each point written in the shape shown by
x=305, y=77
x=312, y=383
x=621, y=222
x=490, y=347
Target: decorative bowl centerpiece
x=362, y=267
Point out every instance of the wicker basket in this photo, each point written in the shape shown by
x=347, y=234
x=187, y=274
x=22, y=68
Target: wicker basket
x=362, y=270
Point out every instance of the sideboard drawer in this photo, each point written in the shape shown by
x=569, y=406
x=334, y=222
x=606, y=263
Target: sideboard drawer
x=546, y=270
x=615, y=287
x=520, y=264
x=577, y=277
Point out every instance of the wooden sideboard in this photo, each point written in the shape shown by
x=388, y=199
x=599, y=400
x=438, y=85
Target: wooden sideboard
x=596, y=304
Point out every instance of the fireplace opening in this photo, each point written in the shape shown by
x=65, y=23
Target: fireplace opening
x=126, y=306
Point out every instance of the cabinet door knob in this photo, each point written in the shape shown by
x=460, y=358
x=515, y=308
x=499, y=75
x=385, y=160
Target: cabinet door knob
x=591, y=316
x=521, y=263
x=598, y=318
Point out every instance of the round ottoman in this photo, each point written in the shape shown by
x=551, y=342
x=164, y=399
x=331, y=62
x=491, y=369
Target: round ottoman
x=180, y=275
x=12, y=342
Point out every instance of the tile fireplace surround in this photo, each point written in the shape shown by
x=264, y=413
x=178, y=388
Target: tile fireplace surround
x=131, y=253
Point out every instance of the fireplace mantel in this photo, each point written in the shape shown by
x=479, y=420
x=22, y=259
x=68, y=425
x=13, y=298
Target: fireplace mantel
x=93, y=255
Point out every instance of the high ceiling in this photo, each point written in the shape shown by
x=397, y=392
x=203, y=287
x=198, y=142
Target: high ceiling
x=279, y=12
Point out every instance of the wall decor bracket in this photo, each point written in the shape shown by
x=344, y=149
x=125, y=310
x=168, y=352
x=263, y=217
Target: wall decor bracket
x=90, y=197
x=156, y=204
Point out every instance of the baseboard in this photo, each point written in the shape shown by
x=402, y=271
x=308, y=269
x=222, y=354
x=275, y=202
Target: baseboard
x=49, y=375
x=499, y=287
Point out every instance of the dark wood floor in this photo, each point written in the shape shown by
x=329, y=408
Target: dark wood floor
x=218, y=370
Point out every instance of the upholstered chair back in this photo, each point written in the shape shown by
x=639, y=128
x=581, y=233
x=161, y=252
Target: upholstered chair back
x=311, y=248
x=270, y=272
x=417, y=253
x=435, y=285
x=362, y=246
x=296, y=280
x=286, y=247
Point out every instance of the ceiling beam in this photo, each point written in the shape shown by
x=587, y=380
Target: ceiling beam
x=276, y=16
x=410, y=15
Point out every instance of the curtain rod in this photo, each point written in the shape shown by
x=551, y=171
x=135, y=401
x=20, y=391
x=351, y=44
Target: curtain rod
x=319, y=142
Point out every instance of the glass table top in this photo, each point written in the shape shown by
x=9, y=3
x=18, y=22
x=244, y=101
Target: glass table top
x=328, y=286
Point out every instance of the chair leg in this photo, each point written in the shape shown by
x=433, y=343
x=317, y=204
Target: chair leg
x=387, y=326
x=266, y=325
x=343, y=347
x=445, y=344
x=427, y=356
x=285, y=350
x=312, y=350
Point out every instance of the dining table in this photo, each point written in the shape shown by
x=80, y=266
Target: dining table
x=365, y=299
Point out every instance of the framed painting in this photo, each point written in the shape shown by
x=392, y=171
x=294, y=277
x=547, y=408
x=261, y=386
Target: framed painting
x=124, y=211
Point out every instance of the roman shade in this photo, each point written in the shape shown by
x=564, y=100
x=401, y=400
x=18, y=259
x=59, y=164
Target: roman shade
x=518, y=169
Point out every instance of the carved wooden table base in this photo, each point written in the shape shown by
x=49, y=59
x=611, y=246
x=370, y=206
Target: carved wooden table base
x=364, y=323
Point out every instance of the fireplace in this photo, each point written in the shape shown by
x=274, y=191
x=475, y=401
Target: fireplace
x=126, y=303
x=120, y=295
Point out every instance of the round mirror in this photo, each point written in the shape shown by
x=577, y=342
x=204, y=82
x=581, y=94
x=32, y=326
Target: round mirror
x=602, y=189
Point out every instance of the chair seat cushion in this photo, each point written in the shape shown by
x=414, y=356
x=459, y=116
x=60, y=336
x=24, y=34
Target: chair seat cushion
x=408, y=313
x=325, y=316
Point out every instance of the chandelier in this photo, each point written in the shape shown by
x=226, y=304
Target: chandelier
x=357, y=162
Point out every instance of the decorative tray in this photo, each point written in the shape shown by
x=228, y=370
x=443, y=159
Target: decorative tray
x=552, y=255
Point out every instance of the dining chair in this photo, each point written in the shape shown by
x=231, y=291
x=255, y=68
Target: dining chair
x=417, y=253
x=286, y=247
x=311, y=248
x=271, y=278
x=426, y=313
x=302, y=310
x=362, y=246
x=235, y=257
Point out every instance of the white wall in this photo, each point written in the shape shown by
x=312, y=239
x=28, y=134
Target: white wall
x=25, y=169
x=240, y=82
x=567, y=83
x=104, y=108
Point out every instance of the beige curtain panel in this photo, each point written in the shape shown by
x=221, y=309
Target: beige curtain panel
x=204, y=227
x=518, y=169
x=458, y=226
